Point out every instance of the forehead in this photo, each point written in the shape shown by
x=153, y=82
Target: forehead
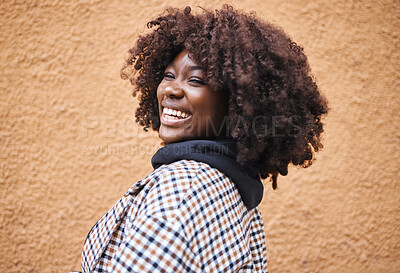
x=184, y=60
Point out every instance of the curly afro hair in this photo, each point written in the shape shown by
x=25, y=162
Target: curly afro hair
x=275, y=106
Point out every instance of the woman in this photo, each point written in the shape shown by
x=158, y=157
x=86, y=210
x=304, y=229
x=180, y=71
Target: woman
x=233, y=100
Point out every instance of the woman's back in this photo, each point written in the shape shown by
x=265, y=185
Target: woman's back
x=183, y=217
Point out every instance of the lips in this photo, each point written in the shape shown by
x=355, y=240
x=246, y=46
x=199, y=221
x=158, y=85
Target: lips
x=174, y=116
x=174, y=109
x=177, y=114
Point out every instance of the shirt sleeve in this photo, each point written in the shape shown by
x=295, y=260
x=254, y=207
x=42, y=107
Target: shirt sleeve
x=155, y=245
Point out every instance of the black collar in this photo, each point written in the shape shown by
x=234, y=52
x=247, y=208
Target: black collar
x=220, y=154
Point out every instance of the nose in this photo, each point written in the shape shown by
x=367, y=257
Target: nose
x=174, y=90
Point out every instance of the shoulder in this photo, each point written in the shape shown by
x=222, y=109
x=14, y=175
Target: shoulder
x=185, y=183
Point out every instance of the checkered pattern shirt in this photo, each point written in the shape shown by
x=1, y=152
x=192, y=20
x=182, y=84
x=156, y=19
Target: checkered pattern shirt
x=183, y=217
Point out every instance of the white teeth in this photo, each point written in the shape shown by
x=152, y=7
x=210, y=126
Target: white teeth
x=174, y=114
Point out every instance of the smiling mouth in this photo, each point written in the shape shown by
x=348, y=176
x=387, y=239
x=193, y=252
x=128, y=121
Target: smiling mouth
x=170, y=113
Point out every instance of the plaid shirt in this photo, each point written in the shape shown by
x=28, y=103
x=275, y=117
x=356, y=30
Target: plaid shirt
x=183, y=217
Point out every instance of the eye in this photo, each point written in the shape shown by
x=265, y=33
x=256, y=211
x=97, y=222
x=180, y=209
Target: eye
x=197, y=81
x=168, y=75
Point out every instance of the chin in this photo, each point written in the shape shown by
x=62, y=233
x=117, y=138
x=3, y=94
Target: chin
x=168, y=138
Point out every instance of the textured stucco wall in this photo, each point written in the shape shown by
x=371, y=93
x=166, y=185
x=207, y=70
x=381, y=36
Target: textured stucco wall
x=69, y=147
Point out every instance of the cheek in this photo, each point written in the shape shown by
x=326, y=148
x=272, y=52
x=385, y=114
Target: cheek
x=210, y=111
x=159, y=94
x=218, y=105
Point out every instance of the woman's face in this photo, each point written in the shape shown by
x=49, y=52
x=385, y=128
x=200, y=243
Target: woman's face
x=188, y=108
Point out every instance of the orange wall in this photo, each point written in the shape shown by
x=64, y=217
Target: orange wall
x=69, y=147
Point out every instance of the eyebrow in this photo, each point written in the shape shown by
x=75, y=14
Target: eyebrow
x=193, y=67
